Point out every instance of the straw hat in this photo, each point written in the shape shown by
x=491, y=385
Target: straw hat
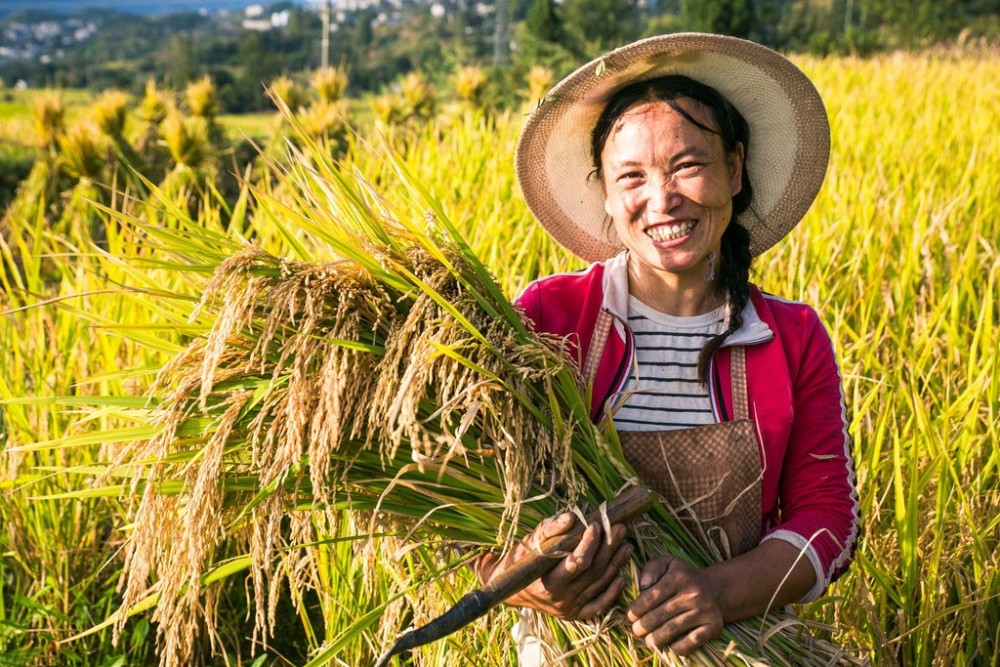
x=789, y=136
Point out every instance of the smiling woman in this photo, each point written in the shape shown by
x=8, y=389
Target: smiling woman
x=727, y=401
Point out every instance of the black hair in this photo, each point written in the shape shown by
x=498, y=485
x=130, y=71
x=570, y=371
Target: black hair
x=734, y=265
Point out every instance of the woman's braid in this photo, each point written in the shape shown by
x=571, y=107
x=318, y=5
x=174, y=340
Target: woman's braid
x=734, y=281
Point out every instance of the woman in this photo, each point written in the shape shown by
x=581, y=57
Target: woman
x=671, y=163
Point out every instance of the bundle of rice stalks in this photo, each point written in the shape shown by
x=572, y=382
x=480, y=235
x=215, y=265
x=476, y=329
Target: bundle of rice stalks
x=470, y=95
x=470, y=83
x=83, y=151
x=186, y=139
x=329, y=83
x=418, y=95
x=389, y=109
x=202, y=98
x=149, y=148
x=390, y=396
x=110, y=111
x=154, y=104
x=290, y=93
x=406, y=107
x=48, y=112
x=326, y=122
x=539, y=80
x=69, y=166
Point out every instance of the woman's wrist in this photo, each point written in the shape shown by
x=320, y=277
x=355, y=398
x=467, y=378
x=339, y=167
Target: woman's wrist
x=719, y=586
x=764, y=579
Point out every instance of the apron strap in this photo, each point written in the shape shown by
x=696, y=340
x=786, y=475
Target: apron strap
x=602, y=328
x=738, y=370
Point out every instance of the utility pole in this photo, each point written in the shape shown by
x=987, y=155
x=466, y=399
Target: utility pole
x=325, y=39
x=500, y=34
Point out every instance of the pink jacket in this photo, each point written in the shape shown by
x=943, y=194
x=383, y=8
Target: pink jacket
x=793, y=384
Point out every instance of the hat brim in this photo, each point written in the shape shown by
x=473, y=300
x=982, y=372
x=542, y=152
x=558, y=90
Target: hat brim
x=789, y=136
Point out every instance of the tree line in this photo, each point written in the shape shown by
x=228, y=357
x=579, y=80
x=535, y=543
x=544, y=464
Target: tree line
x=512, y=36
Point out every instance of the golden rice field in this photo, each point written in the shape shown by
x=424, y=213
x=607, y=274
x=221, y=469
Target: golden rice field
x=900, y=254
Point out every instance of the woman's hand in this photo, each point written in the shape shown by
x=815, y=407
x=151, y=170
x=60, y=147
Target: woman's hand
x=679, y=606
x=582, y=585
x=684, y=607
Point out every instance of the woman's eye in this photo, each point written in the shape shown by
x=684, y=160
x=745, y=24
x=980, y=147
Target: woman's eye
x=689, y=166
x=630, y=176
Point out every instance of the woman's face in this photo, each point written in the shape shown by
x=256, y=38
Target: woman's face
x=668, y=187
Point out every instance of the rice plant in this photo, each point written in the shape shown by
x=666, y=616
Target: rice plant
x=110, y=112
x=48, y=114
x=538, y=79
x=202, y=98
x=285, y=89
x=329, y=84
x=470, y=82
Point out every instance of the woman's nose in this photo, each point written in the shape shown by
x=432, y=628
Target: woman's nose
x=662, y=195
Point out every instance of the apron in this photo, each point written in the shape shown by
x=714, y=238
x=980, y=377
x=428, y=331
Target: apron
x=708, y=476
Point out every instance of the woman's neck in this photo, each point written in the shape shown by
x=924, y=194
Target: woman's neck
x=674, y=294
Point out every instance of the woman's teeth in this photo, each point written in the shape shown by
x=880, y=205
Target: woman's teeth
x=670, y=232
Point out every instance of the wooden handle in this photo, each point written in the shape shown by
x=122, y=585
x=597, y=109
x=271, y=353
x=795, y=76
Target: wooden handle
x=620, y=509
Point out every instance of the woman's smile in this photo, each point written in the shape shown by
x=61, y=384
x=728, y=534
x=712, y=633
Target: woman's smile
x=662, y=233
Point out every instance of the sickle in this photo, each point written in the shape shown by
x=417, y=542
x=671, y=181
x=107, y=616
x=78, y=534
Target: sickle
x=626, y=506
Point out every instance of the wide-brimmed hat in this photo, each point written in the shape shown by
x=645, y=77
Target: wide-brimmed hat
x=788, y=149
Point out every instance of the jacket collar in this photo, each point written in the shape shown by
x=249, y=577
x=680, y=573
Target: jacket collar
x=615, y=285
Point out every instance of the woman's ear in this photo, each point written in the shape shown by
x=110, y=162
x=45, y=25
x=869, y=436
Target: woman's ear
x=736, y=169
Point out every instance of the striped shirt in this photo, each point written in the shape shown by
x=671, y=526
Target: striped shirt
x=663, y=391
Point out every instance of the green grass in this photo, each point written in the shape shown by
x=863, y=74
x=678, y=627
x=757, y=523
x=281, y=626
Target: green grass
x=257, y=126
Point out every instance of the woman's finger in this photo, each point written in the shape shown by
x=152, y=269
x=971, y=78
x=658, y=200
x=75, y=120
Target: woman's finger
x=552, y=527
x=657, y=617
x=570, y=578
x=599, y=605
x=589, y=561
x=547, y=529
x=608, y=572
x=583, y=555
x=654, y=570
x=608, y=551
x=662, y=588
x=690, y=642
x=673, y=630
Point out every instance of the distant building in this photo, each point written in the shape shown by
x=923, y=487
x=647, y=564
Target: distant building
x=261, y=23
